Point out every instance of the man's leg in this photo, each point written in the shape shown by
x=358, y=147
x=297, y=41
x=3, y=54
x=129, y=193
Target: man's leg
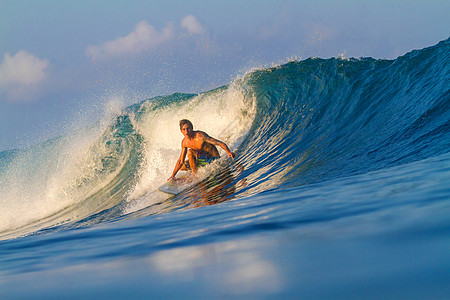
x=192, y=157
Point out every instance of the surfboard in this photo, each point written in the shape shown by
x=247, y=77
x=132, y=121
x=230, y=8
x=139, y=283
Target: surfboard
x=174, y=187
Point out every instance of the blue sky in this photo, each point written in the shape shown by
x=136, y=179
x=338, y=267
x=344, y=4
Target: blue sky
x=63, y=60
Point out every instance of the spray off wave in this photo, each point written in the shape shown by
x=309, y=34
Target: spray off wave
x=125, y=156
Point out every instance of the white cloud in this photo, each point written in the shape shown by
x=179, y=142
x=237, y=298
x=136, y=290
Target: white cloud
x=192, y=25
x=142, y=38
x=22, y=69
x=21, y=76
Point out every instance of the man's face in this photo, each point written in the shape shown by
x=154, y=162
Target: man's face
x=186, y=130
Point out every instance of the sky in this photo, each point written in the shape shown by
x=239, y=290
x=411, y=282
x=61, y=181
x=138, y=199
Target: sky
x=63, y=61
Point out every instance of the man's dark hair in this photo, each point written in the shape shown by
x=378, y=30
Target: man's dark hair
x=184, y=121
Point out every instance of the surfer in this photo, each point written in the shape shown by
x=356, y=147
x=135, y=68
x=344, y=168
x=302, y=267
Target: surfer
x=199, y=147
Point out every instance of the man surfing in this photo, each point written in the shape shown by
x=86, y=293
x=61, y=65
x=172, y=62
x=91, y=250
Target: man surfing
x=199, y=147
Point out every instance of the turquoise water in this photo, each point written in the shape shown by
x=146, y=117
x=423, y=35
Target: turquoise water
x=340, y=189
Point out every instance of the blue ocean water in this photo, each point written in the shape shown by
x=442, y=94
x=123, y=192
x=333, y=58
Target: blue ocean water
x=340, y=189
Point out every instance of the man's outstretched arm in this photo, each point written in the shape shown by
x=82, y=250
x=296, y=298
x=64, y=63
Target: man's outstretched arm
x=179, y=163
x=221, y=144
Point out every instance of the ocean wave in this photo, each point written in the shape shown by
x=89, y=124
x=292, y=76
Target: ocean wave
x=295, y=124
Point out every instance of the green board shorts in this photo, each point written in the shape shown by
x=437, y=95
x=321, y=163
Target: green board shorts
x=202, y=160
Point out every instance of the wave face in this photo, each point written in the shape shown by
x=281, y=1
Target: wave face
x=292, y=125
x=322, y=119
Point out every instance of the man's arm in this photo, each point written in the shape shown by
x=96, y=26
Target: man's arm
x=221, y=144
x=180, y=162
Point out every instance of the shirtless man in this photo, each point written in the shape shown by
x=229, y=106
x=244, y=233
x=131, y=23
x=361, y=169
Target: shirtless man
x=199, y=147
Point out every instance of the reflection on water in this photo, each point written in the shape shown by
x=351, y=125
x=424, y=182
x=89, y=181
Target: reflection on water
x=238, y=268
x=217, y=188
x=409, y=264
x=226, y=268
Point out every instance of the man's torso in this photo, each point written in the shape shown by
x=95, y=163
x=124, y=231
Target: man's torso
x=200, y=145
